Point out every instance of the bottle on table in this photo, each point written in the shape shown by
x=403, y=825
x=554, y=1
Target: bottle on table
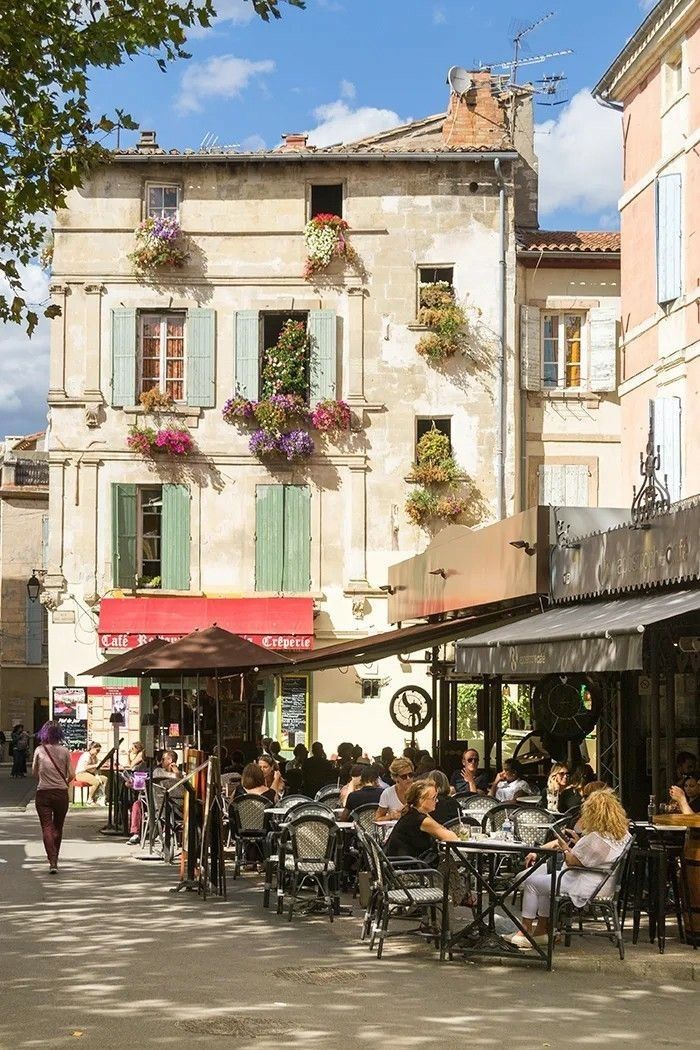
x=507, y=829
x=651, y=811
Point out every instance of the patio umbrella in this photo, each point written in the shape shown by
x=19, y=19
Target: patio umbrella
x=118, y=666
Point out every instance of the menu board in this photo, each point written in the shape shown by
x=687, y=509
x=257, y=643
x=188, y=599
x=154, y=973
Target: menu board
x=69, y=708
x=294, y=703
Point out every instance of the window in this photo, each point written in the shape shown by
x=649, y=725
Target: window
x=561, y=350
x=162, y=357
x=256, y=332
x=326, y=200
x=426, y=423
x=564, y=484
x=370, y=688
x=271, y=329
x=151, y=536
x=283, y=538
x=673, y=75
x=162, y=202
x=435, y=274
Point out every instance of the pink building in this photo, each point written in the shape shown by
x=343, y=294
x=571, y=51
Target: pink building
x=655, y=83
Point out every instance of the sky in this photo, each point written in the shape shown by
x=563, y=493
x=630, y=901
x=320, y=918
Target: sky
x=343, y=69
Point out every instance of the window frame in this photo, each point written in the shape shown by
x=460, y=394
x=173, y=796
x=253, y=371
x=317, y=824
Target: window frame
x=140, y=490
x=420, y=282
x=673, y=67
x=162, y=317
x=562, y=366
x=288, y=315
x=153, y=185
x=326, y=182
x=370, y=688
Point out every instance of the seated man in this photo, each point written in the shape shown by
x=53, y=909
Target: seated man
x=167, y=767
x=509, y=784
x=85, y=772
x=368, y=791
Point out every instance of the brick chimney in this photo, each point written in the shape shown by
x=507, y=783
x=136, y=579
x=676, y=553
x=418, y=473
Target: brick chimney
x=475, y=119
x=147, y=142
x=294, y=140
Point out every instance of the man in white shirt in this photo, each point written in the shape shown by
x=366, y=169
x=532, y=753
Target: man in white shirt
x=509, y=784
x=85, y=772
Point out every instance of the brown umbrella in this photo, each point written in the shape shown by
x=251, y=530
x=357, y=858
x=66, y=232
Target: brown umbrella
x=118, y=666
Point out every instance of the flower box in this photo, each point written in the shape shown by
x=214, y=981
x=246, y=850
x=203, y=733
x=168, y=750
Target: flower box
x=159, y=245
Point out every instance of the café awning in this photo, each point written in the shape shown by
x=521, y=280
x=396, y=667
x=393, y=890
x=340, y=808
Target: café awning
x=586, y=637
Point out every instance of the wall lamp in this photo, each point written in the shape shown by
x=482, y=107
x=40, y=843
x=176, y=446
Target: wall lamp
x=387, y=588
x=439, y=572
x=35, y=584
x=523, y=545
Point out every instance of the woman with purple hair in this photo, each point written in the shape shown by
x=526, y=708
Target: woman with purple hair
x=51, y=766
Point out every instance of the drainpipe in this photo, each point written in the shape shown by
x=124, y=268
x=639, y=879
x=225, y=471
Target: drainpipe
x=501, y=385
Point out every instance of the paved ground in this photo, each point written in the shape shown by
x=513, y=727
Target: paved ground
x=105, y=953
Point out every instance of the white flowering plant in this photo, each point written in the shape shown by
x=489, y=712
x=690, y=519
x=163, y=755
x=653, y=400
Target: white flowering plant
x=325, y=237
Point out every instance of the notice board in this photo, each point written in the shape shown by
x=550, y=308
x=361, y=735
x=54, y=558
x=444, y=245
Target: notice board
x=70, y=710
x=294, y=702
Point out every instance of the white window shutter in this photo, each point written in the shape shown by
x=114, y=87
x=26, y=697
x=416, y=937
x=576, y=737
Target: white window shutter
x=576, y=485
x=669, y=237
x=667, y=434
x=530, y=348
x=564, y=485
x=602, y=356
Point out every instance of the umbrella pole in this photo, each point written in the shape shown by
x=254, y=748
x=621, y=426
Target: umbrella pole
x=198, y=738
x=182, y=711
x=218, y=713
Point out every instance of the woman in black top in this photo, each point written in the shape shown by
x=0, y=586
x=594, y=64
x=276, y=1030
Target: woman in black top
x=416, y=831
x=446, y=807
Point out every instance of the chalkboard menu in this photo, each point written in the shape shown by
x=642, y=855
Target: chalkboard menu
x=294, y=692
x=70, y=711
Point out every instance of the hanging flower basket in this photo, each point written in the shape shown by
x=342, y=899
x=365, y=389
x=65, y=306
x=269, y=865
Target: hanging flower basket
x=446, y=319
x=158, y=246
x=276, y=416
x=171, y=441
x=326, y=239
x=294, y=445
x=331, y=416
x=422, y=506
x=434, y=464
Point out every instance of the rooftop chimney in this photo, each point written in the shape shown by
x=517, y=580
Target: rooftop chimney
x=147, y=142
x=292, y=140
x=476, y=119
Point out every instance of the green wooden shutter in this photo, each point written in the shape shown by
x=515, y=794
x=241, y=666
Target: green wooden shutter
x=123, y=357
x=175, y=540
x=35, y=612
x=269, y=537
x=200, y=348
x=123, y=535
x=323, y=366
x=297, y=539
x=247, y=369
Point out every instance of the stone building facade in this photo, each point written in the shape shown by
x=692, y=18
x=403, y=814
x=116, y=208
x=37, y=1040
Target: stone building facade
x=24, y=505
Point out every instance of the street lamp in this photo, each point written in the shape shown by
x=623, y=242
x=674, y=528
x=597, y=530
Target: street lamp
x=34, y=585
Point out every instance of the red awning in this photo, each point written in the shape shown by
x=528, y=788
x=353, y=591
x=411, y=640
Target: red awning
x=284, y=624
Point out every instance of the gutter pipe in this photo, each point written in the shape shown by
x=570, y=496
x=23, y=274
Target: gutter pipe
x=501, y=386
x=292, y=156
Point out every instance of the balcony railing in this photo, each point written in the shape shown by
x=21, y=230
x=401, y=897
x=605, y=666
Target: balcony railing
x=31, y=472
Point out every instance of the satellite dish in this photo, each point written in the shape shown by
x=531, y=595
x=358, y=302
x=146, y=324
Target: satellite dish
x=459, y=80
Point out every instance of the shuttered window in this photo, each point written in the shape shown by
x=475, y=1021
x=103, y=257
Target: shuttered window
x=36, y=628
x=123, y=357
x=283, y=538
x=151, y=536
x=256, y=333
x=200, y=341
x=669, y=237
x=667, y=434
x=323, y=364
x=564, y=484
x=162, y=354
x=562, y=363
x=530, y=348
x=247, y=354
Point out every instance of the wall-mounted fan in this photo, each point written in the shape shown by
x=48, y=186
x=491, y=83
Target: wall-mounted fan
x=566, y=706
x=411, y=708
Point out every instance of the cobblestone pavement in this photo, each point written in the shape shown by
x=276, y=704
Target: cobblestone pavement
x=105, y=953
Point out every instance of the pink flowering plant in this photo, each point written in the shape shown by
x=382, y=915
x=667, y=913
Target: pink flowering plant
x=331, y=416
x=285, y=365
x=239, y=409
x=326, y=239
x=171, y=440
x=159, y=244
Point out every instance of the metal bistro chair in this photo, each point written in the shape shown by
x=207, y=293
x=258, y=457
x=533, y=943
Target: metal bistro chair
x=302, y=806
x=329, y=795
x=403, y=887
x=535, y=825
x=247, y=823
x=475, y=805
x=312, y=840
x=604, y=903
x=494, y=818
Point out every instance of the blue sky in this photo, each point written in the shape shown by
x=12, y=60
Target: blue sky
x=345, y=68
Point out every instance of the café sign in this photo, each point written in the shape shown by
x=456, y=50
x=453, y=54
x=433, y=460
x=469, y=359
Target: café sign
x=277, y=642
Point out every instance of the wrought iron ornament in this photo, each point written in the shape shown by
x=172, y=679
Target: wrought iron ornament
x=653, y=497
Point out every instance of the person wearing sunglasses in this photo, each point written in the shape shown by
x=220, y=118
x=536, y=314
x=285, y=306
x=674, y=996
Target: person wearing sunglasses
x=469, y=779
x=393, y=800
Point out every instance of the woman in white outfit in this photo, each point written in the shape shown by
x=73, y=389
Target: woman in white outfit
x=605, y=828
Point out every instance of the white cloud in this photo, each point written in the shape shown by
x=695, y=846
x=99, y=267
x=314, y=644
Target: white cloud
x=339, y=122
x=347, y=89
x=24, y=362
x=580, y=155
x=253, y=143
x=223, y=76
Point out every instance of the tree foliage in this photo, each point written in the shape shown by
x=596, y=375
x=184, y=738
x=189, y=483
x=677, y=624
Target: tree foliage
x=49, y=139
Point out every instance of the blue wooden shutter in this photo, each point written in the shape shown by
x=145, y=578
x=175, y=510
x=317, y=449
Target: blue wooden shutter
x=200, y=344
x=669, y=237
x=35, y=612
x=667, y=434
x=602, y=357
x=123, y=535
x=175, y=538
x=123, y=357
x=247, y=369
x=323, y=364
x=269, y=537
x=296, y=576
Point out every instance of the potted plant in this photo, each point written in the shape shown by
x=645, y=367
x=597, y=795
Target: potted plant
x=326, y=239
x=154, y=400
x=445, y=317
x=434, y=464
x=174, y=441
x=331, y=416
x=285, y=365
x=159, y=244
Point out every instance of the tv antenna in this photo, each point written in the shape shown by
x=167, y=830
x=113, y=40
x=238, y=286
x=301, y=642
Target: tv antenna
x=518, y=45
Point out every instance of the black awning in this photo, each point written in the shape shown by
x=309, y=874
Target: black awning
x=586, y=637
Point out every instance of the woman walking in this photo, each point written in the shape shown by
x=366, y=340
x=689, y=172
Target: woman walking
x=51, y=765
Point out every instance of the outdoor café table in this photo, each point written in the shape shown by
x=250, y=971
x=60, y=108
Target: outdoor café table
x=479, y=858
x=384, y=829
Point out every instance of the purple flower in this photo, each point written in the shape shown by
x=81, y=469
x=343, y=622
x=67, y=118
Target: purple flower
x=262, y=444
x=296, y=444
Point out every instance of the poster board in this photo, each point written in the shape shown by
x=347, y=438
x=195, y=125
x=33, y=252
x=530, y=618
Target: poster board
x=294, y=710
x=69, y=708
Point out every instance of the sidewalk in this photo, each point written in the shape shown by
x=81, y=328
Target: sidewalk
x=15, y=794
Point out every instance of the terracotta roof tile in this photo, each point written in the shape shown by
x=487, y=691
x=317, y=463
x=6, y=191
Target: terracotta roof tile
x=569, y=241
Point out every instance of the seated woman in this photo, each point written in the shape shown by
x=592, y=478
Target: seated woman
x=446, y=807
x=393, y=800
x=273, y=777
x=136, y=764
x=417, y=831
x=556, y=785
x=509, y=784
x=605, y=834
x=253, y=782
x=687, y=797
